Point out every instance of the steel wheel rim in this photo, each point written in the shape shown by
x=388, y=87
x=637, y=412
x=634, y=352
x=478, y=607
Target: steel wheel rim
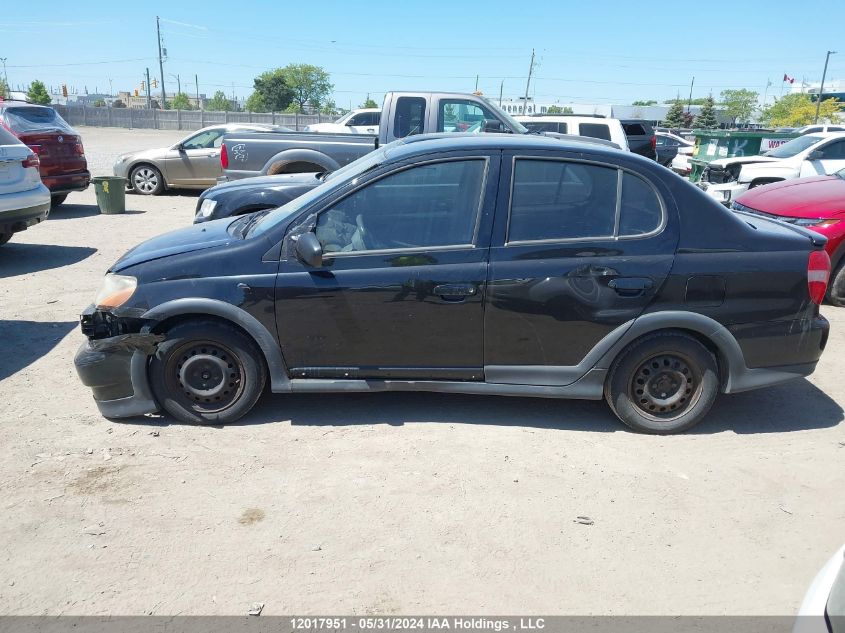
x=204, y=376
x=665, y=386
x=145, y=179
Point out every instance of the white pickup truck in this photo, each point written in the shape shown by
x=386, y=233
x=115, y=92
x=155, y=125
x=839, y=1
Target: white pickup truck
x=810, y=155
x=364, y=121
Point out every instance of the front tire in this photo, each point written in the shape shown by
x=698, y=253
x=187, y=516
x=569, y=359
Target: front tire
x=663, y=383
x=55, y=201
x=836, y=292
x=207, y=372
x=146, y=180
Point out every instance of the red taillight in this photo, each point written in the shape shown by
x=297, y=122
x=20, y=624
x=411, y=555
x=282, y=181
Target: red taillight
x=35, y=148
x=224, y=157
x=31, y=161
x=78, y=149
x=654, y=142
x=818, y=274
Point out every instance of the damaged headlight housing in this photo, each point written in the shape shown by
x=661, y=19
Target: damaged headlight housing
x=115, y=291
x=817, y=222
x=206, y=208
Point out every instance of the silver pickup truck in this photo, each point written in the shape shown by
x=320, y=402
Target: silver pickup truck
x=246, y=154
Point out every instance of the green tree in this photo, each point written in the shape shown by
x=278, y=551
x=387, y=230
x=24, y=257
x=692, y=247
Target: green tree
x=181, y=102
x=739, y=105
x=649, y=102
x=38, y=93
x=368, y=103
x=696, y=101
x=310, y=84
x=117, y=103
x=99, y=103
x=706, y=119
x=675, y=116
x=797, y=109
x=218, y=103
x=271, y=93
x=4, y=89
x=329, y=107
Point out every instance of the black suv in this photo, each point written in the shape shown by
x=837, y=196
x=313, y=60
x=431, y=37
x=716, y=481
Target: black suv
x=489, y=264
x=641, y=137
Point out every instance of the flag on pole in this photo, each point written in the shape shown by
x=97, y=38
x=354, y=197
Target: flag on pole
x=788, y=79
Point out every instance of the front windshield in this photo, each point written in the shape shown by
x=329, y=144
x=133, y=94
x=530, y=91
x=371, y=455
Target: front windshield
x=334, y=180
x=793, y=147
x=515, y=125
x=342, y=120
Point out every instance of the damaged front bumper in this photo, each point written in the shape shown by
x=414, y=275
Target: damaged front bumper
x=115, y=368
x=724, y=193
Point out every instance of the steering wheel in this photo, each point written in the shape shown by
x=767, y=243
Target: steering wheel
x=363, y=233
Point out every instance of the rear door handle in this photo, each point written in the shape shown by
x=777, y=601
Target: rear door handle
x=630, y=286
x=455, y=292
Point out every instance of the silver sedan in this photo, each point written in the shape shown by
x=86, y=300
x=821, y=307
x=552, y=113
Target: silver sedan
x=192, y=163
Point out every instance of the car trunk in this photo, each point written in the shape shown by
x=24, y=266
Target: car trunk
x=14, y=177
x=60, y=153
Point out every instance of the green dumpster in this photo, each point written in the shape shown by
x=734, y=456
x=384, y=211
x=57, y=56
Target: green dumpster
x=715, y=144
x=111, y=193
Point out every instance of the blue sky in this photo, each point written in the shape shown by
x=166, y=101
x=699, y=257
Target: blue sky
x=590, y=52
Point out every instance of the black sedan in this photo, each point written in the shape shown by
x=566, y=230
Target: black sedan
x=493, y=264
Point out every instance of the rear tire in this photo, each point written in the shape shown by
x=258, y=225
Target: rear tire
x=836, y=292
x=5, y=237
x=146, y=180
x=207, y=372
x=663, y=383
x=55, y=201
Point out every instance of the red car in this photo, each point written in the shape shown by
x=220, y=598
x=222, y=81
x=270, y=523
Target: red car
x=59, y=148
x=817, y=203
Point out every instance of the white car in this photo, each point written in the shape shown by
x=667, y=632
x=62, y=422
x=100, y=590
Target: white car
x=823, y=607
x=363, y=121
x=809, y=155
x=24, y=200
x=680, y=164
x=595, y=127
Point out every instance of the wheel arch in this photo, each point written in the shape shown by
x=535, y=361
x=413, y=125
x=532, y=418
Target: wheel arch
x=168, y=314
x=143, y=162
x=707, y=331
x=278, y=163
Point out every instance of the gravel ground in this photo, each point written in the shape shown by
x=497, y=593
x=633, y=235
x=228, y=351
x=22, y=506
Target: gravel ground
x=389, y=503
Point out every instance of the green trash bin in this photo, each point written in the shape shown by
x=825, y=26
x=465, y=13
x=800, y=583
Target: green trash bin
x=712, y=145
x=111, y=193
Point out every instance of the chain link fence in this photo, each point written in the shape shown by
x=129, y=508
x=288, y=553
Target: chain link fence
x=180, y=119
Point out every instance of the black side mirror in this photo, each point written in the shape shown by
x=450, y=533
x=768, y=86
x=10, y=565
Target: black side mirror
x=309, y=250
x=816, y=154
x=493, y=125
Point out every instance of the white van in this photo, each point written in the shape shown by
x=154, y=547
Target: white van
x=593, y=126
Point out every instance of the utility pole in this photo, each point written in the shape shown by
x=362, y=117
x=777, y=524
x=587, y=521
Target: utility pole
x=197, y=85
x=149, y=100
x=528, y=83
x=160, y=63
x=5, y=76
x=821, y=88
x=689, y=103
x=501, y=90
x=476, y=83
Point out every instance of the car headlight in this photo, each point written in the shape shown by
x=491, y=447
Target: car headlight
x=115, y=291
x=207, y=208
x=817, y=222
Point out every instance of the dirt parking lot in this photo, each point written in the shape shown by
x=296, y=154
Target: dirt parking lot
x=390, y=503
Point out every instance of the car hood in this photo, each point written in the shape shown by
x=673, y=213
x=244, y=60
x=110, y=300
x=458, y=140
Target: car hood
x=148, y=154
x=742, y=160
x=281, y=181
x=196, y=237
x=813, y=197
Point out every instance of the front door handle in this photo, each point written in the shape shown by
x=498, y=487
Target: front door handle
x=455, y=292
x=630, y=286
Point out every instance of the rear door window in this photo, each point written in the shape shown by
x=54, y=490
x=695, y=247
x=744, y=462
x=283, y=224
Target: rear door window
x=595, y=130
x=410, y=116
x=834, y=151
x=558, y=200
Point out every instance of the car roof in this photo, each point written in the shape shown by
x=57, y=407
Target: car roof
x=563, y=118
x=21, y=104
x=426, y=143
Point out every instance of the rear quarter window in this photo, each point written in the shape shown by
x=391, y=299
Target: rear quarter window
x=595, y=130
x=640, y=210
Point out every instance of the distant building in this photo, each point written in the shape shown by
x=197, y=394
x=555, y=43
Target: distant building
x=833, y=88
x=653, y=114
